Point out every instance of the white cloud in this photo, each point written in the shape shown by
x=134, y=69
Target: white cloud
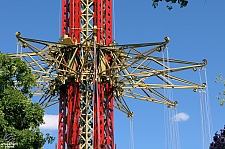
x=51, y=122
x=181, y=117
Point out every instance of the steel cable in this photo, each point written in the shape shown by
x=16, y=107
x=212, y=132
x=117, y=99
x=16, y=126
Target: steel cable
x=131, y=134
x=205, y=108
x=172, y=139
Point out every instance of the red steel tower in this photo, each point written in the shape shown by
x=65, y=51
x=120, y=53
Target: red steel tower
x=86, y=117
x=91, y=74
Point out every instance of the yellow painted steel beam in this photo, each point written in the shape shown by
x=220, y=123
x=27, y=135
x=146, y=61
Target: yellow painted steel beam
x=130, y=71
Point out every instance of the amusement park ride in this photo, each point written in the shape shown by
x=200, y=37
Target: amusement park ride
x=89, y=75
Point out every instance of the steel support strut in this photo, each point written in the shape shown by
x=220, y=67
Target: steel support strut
x=104, y=119
x=62, y=118
x=73, y=132
x=71, y=17
x=108, y=22
x=69, y=107
x=109, y=88
x=109, y=111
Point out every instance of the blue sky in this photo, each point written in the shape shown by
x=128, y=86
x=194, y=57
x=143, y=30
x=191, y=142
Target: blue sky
x=196, y=32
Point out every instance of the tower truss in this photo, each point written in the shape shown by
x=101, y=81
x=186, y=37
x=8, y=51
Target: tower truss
x=88, y=75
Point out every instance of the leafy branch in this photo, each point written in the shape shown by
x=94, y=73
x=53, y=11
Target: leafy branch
x=221, y=96
x=182, y=3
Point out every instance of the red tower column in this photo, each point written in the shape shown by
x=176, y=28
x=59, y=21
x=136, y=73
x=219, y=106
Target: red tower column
x=108, y=22
x=109, y=112
x=62, y=118
x=65, y=18
x=69, y=103
x=75, y=106
x=73, y=115
x=104, y=121
x=109, y=87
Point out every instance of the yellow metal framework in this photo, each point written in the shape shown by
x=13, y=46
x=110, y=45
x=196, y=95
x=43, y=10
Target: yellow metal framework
x=134, y=71
x=130, y=73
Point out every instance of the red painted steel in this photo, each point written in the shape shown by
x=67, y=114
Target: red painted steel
x=70, y=138
x=105, y=102
x=72, y=19
x=62, y=118
x=99, y=19
x=99, y=142
x=70, y=101
x=73, y=132
x=64, y=24
x=95, y=131
x=75, y=14
x=99, y=113
x=69, y=94
x=108, y=22
x=62, y=139
x=71, y=13
x=109, y=117
x=109, y=87
x=101, y=127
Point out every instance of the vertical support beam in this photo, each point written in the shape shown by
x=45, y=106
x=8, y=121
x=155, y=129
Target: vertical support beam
x=75, y=14
x=71, y=17
x=95, y=117
x=109, y=87
x=73, y=117
x=104, y=120
x=65, y=19
x=73, y=91
x=76, y=126
x=87, y=22
x=101, y=110
x=99, y=118
x=70, y=103
x=62, y=118
x=109, y=116
x=86, y=118
x=99, y=19
x=71, y=13
x=108, y=22
x=96, y=96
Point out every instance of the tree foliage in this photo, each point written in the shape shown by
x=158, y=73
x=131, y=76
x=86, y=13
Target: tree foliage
x=182, y=3
x=221, y=96
x=19, y=116
x=218, y=140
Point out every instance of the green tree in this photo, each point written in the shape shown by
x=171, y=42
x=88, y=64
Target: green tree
x=20, y=118
x=221, y=96
x=182, y=3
